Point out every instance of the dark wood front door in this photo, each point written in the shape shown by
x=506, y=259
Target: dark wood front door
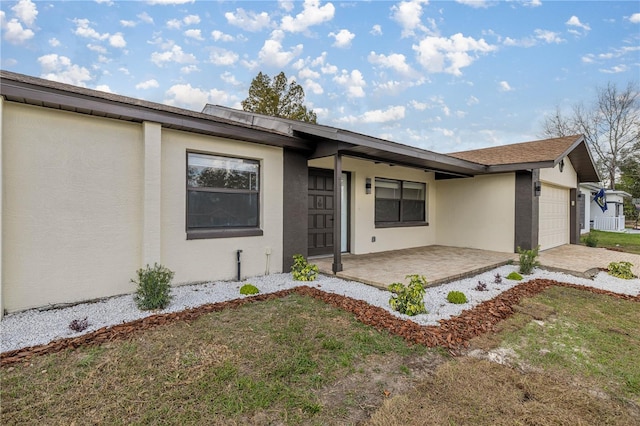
x=321, y=197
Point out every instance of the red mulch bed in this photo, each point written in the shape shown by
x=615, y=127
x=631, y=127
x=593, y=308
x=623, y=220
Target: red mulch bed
x=452, y=334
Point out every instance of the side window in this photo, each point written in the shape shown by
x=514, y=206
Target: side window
x=223, y=195
x=400, y=203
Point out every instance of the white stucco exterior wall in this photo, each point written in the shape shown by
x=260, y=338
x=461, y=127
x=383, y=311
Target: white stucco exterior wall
x=151, y=250
x=476, y=212
x=207, y=259
x=72, y=217
x=362, y=206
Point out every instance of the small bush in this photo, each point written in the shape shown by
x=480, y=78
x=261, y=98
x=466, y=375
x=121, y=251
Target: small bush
x=482, y=286
x=409, y=300
x=528, y=260
x=497, y=279
x=79, y=325
x=154, y=287
x=591, y=240
x=621, y=270
x=302, y=270
x=514, y=276
x=249, y=289
x=457, y=297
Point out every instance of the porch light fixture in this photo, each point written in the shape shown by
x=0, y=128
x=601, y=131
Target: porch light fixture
x=537, y=188
x=561, y=165
x=367, y=185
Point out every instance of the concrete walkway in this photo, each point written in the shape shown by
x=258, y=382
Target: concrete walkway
x=441, y=264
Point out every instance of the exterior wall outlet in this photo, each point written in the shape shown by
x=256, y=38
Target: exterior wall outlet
x=373, y=239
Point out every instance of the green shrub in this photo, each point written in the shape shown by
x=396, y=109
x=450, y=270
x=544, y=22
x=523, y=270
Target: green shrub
x=249, y=289
x=621, y=270
x=409, y=300
x=457, y=297
x=514, y=276
x=154, y=286
x=302, y=270
x=528, y=260
x=591, y=240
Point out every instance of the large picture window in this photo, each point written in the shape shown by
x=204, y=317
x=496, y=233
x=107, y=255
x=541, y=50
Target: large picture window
x=223, y=196
x=400, y=203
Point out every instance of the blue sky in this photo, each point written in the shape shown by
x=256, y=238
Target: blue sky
x=440, y=75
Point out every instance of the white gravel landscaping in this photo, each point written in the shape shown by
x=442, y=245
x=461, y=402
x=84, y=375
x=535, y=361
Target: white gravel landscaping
x=35, y=327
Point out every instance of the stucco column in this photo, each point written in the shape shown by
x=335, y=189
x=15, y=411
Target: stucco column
x=151, y=238
x=337, y=214
x=1, y=207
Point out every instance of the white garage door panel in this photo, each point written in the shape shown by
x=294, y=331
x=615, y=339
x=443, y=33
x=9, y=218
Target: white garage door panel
x=553, y=217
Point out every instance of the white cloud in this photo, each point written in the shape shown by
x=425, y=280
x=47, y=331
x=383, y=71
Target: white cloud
x=409, y=15
x=14, y=32
x=376, y=30
x=26, y=11
x=188, y=69
x=128, y=24
x=191, y=20
x=473, y=100
x=54, y=42
x=162, y=2
x=194, y=34
x=60, y=69
x=117, y=40
x=186, y=96
x=311, y=86
x=635, y=18
x=505, y=87
x=615, y=69
x=97, y=48
x=149, y=84
x=445, y=132
x=306, y=72
x=124, y=71
x=174, y=24
x=532, y=3
x=219, y=56
x=588, y=58
x=343, y=38
x=272, y=53
x=395, y=61
x=420, y=106
x=548, y=36
x=248, y=21
x=176, y=54
x=229, y=78
x=144, y=17
x=577, y=27
x=353, y=82
x=220, y=36
x=84, y=30
x=103, y=88
x=449, y=55
x=476, y=4
x=286, y=5
x=393, y=113
x=312, y=14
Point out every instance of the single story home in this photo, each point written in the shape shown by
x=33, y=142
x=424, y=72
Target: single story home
x=95, y=185
x=592, y=216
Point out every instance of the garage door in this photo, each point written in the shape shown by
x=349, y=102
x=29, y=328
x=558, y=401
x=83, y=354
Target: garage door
x=553, y=229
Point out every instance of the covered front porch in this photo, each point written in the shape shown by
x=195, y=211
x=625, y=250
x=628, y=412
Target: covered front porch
x=439, y=264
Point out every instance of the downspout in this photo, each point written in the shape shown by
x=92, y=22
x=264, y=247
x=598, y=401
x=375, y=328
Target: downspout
x=239, y=263
x=337, y=213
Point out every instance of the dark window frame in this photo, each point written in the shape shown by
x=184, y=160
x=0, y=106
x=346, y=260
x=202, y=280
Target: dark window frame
x=401, y=223
x=194, y=233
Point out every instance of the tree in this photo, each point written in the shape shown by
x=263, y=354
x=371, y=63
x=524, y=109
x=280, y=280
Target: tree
x=277, y=98
x=610, y=125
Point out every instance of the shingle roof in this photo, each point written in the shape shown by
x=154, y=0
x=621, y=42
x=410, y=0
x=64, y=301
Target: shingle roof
x=526, y=152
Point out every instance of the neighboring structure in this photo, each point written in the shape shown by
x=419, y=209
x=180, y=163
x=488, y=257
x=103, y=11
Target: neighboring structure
x=593, y=217
x=95, y=185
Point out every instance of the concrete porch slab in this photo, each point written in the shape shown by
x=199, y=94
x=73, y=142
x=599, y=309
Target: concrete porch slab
x=439, y=264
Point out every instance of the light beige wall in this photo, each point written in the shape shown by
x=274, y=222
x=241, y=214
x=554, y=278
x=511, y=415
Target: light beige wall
x=206, y=259
x=476, y=212
x=363, y=207
x=72, y=206
x=568, y=178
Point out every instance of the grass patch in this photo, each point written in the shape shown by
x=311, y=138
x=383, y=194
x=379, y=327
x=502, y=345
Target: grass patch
x=626, y=242
x=575, y=359
x=280, y=361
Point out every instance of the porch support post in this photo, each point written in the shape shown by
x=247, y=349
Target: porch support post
x=574, y=219
x=527, y=210
x=337, y=213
